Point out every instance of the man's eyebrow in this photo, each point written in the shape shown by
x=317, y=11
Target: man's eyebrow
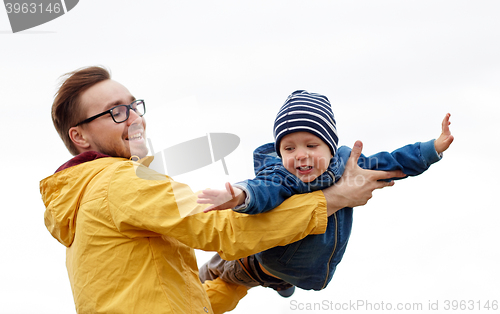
x=118, y=102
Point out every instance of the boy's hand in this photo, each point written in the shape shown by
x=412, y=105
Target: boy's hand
x=445, y=139
x=221, y=199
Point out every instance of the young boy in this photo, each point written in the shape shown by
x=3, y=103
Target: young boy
x=304, y=158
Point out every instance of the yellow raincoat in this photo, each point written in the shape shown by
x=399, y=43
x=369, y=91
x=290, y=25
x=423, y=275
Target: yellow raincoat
x=130, y=240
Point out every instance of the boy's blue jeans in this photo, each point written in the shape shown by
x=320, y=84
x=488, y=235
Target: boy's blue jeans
x=244, y=271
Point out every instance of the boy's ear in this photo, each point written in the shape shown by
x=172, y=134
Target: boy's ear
x=78, y=138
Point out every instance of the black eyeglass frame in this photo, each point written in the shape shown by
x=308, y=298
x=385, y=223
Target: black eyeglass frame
x=110, y=111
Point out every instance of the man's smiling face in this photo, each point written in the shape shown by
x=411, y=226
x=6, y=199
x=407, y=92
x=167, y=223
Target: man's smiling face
x=103, y=134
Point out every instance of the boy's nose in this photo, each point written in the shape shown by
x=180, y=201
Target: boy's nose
x=301, y=154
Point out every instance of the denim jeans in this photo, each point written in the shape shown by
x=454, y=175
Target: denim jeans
x=246, y=273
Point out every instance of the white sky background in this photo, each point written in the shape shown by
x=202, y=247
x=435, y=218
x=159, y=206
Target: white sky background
x=392, y=70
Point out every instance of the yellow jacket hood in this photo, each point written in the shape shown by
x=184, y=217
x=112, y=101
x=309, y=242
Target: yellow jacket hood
x=62, y=192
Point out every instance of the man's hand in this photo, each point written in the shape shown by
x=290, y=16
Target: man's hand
x=356, y=186
x=445, y=139
x=222, y=199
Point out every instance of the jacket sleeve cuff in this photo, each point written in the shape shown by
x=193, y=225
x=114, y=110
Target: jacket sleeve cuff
x=429, y=153
x=241, y=208
x=320, y=213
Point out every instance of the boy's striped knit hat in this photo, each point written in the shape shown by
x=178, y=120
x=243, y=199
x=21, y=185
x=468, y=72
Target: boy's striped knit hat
x=306, y=112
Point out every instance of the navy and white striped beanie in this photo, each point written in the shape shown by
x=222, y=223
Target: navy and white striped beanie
x=306, y=112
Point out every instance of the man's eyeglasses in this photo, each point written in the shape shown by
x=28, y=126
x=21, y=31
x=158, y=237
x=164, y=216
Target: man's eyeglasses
x=120, y=113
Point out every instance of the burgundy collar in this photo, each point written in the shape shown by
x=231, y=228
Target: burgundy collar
x=81, y=158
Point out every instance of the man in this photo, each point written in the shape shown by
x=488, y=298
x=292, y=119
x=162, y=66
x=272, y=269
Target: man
x=129, y=248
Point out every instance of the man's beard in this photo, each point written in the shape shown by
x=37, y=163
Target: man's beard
x=123, y=152
x=125, y=149
x=114, y=151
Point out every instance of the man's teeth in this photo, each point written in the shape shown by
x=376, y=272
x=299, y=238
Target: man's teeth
x=135, y=136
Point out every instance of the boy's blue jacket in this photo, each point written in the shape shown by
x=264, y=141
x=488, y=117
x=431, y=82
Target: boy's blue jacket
x=311, y=262
x=273, y=183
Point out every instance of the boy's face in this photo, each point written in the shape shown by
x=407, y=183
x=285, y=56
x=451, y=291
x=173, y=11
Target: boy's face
x=305, y=155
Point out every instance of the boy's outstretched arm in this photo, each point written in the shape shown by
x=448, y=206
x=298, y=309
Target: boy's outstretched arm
x=412, y=159
x=445, y=139
x=221, y=199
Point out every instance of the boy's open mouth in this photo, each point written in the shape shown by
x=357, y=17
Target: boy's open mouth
x=304, y=168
